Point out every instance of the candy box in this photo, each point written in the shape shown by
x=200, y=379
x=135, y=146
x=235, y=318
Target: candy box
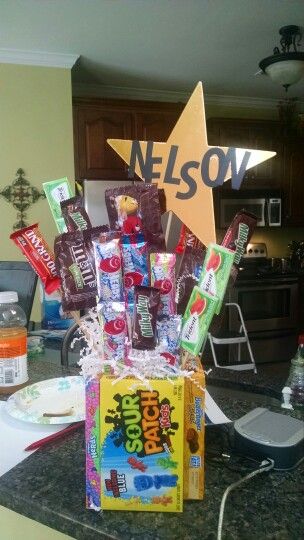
x=194, y=430
x=216, y=271
x=141, y=444
x=92, y=447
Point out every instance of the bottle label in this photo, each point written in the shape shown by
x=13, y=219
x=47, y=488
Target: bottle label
x=13, y=361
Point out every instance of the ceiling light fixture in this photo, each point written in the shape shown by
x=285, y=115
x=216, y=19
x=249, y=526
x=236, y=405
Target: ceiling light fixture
x=285, y=67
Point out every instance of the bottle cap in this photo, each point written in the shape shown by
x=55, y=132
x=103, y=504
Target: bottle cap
x=8, y=297
x=301, y=339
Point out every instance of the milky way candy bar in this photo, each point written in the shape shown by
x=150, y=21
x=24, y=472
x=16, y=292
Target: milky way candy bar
x=74, y=214
x=146, y=301
x=239, y=233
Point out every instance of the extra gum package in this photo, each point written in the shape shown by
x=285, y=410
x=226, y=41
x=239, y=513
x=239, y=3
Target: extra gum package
x=194, y=430
x=142, y=439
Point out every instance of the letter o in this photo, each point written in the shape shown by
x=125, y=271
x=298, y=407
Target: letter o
x=136, y=429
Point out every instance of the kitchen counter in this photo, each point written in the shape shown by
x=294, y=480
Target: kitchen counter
x=49, y=487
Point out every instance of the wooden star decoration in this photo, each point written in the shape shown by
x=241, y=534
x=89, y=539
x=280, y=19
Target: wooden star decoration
x=187, y=168
x=21, y=195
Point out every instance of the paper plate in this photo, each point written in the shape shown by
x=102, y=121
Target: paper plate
x=55, y=401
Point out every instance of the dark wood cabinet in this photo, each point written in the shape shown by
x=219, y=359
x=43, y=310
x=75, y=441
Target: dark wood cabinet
x=96, y=120
x=255, y=134
x=293, y=189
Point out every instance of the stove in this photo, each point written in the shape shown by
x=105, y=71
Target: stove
x=267, y=294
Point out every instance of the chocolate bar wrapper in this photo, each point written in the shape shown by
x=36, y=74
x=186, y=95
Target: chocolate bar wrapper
x=142, y=442
x=189, y=271
x=108, y=270
x=162, y=267
x=146, y=302
x=194, y=431
x=76, y=267
x=92, y=448
x=113, y=316
x=135, y=264
x=136, y=208
x=239, y=233
x=74, y=214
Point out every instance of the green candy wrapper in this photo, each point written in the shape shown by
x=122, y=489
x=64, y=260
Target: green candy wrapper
x=197, y=319
x=57, y=191
x=216, y=271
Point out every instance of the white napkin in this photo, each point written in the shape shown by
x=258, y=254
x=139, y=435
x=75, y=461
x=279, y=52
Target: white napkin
x=213, y=414
x=16, y=435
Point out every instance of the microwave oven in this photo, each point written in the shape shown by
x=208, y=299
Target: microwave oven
x=267, y=210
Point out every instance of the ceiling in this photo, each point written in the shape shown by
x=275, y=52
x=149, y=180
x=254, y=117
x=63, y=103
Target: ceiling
x=161, y=45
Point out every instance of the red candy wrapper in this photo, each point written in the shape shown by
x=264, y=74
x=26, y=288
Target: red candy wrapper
x=39, y=255
x=136, y=208
x=162, y=266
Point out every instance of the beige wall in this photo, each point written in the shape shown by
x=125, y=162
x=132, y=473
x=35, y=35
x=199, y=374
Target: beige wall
x=36, y=135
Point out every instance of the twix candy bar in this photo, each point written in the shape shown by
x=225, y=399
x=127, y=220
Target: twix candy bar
x=38, y=254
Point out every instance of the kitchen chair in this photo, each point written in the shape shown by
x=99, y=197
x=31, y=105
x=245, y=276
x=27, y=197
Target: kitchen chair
x=233, y=338
x=67, y=340
x=20, y=277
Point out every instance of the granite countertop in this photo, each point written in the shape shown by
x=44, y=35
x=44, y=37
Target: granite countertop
x=49, y=486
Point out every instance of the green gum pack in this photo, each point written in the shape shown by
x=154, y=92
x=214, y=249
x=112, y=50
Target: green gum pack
x=57, y=191
x=196, y=320
x=216, y=271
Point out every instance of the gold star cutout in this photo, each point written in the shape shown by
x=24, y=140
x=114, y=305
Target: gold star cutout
x=187, y=168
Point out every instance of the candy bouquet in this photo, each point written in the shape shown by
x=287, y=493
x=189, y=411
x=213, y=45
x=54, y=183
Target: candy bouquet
x=146, y=321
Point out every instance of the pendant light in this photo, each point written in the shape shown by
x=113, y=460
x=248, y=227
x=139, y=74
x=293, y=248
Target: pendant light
x=285, y=67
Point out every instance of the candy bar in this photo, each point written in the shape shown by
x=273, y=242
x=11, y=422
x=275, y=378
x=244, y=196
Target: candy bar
x=146, y=301
x=113, y=316
x=216, y=271
x=239, y=233
x=74, y=214
x=189, y=271
x=136, y=208
x=39, y=255
x=163, y=277
x=135, y=264
x=92, y=448
x=57, y=191
x=196, y=320
x=76, y=267
x=108, y=270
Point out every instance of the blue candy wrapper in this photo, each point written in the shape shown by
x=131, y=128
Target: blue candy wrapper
x=108, y=270
x=135, y=264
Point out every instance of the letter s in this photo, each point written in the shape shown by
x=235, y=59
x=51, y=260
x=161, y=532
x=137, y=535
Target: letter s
x=134, y=446
x=188, y=179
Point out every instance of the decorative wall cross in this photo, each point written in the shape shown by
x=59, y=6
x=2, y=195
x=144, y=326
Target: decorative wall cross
x=21, y=195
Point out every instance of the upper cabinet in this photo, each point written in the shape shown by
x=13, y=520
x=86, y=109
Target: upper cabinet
x=293, y=194
x=96, y=120
x=257, y=135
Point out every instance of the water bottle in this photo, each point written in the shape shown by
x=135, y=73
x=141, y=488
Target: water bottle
x=293, y=392
x=13, y=344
